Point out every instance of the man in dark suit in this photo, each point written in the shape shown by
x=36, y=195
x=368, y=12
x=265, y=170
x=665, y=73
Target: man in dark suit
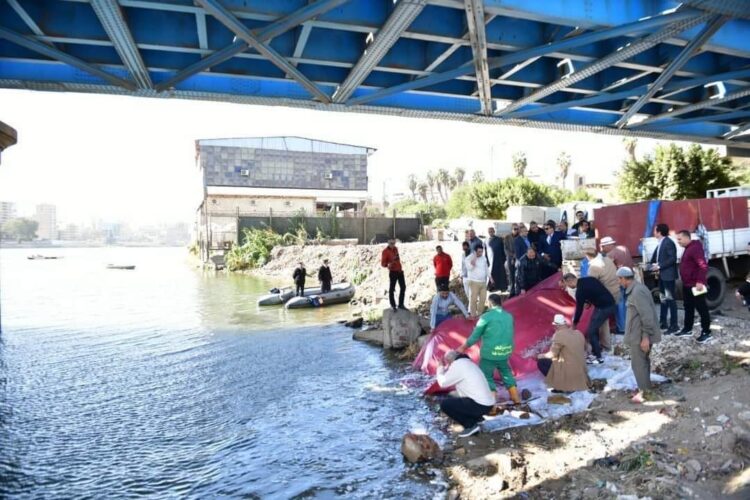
x=521, y=243
x=550, y=246
x=664, y=262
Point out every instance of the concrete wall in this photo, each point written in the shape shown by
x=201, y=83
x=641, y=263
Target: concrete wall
x=223, y=204
x=363, y=229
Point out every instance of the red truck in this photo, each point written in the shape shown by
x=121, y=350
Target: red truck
x=725, y=233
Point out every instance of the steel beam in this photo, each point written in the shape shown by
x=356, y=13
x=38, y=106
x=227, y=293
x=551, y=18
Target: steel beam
x=304, y=34
x=738, y=131
x=478, y=38
x=200, y=26
x=617, y=56
x=113, y=21
x=402, y=16
x=46, y=50
x=687, y=52
x=264, y=34
x=706, y=103
x=523, y=55
x=627, y=94
x=25, y=17
x=699, y=119
x=734, y=8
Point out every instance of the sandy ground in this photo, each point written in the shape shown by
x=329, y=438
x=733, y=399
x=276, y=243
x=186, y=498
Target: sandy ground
x=691, y=440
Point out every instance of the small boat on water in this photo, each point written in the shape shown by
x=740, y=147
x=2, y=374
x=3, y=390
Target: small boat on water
x=128, y=268
x=43, y=257
x=278, y=297
x=340, y=293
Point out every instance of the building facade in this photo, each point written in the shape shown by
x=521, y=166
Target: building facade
x=7, y=211
x=274, y=176
x=46, y=217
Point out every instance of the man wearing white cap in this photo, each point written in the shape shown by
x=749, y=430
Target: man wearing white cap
x=618, y=253
x=641, y=329
x=564, y=366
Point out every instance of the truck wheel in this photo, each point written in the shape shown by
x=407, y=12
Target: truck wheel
x=717, y=288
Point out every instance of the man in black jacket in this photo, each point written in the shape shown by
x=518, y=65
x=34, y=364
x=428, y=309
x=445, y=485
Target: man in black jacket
x=325, y=277
x=591, y=291
x=300, y=273
x=664, y=262
x=531, y=270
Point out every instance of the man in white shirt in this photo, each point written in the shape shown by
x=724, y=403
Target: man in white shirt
x=477, y=273
x=474, y=396
x=439, y=311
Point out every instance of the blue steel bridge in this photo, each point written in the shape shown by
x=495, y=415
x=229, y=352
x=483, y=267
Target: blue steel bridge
x=654, y=68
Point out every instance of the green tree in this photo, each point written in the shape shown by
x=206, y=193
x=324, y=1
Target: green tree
x=477, y=177
x=428, y=211
x=675, y=174
x=431, y=182
x=563, y=166
x=21, y=229
x=519, y=163
x=459, y=174
x=630, y=143
x=413, y=185
x=423, y=188
x=443, y=180
x=459, y=204
x=492, y=199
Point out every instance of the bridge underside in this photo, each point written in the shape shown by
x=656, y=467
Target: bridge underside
x=651, y=68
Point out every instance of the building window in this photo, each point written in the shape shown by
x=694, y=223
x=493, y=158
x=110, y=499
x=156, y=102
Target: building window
x=252, y=203
x=213, y=201
x=287, y=203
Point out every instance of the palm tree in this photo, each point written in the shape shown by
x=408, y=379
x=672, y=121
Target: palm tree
x=563, y=164
x=459, y=175
x=519, y=163
x=422, y=188
x=413, y=186
x=630, y=144
x=431, y=183
x=443, y=179
x=477, y=177
x=452, y=183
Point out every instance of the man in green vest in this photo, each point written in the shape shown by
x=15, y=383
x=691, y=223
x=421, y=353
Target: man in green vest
x=495, y=328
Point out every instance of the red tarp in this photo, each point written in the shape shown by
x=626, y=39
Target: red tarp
x=627, y=223
x=532, y=319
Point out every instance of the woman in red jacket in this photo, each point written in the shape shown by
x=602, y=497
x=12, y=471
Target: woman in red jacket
x=693, y=271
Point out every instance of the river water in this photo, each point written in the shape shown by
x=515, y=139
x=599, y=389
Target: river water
x=169, y=382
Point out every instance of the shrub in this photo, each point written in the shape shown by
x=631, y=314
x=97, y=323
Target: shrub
x=428, y=211
x=254, y=251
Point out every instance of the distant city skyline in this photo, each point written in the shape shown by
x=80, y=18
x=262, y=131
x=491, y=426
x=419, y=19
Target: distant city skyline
x=132, y=160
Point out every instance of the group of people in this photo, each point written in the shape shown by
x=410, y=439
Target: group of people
x=611, y=288
x=300, y=276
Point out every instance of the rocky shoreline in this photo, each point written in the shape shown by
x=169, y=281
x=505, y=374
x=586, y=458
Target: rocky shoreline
x=692, y=440
x=360, y=265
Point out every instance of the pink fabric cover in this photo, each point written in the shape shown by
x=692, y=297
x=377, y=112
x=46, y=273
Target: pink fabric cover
x=532, y=319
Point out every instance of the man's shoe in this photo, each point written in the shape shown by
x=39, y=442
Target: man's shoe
x=705, y=337
x=394, y=308
x=684, y=333
x=672, y=330
x=663, y=327
x=403, y=307
x=593, y=360
x=470, y=431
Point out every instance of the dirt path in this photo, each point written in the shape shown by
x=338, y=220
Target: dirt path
x=692, y=440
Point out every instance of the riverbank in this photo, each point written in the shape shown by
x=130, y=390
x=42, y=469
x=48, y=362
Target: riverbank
x=360, y=265
x=691, y=440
